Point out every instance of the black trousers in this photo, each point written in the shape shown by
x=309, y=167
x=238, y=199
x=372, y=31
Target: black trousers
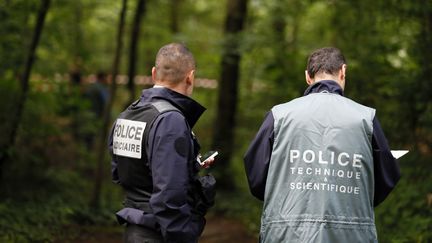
x=139, y=234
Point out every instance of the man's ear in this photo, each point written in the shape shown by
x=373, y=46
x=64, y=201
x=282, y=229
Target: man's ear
x=154, y=74
x=309, y=80
x=342, y=72
x=190, y=78
x=189, y=81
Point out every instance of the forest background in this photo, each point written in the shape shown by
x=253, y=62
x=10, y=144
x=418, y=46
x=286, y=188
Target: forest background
x=251, y=55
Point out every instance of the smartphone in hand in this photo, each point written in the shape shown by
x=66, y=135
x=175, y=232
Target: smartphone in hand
x=207, y=156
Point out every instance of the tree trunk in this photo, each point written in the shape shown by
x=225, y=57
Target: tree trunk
x=174, y=24
x=279, y=24
x=102, y=148
x=140, y=11
x=228, y=90
x=286, y=51
x=423, y=89
x=16, y=119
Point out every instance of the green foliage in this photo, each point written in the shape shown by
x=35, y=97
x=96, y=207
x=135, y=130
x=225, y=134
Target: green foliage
x=40, y=213
x=48, y=180
x=25, y=222
x=406, y=215
x=15, y=33
x=74, y=31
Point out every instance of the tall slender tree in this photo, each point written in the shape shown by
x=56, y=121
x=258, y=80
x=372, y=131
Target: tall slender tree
x=139, y=12
x=95, y=202
x=228, y=88
x=25, y=78
x=174, y=15
x=285, y=22
x=420, y=97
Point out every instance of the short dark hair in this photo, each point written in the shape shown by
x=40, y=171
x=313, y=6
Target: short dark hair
x=325, y=60
x=173, y=62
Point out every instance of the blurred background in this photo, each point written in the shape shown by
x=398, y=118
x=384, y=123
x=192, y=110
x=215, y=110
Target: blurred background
x=58, y=60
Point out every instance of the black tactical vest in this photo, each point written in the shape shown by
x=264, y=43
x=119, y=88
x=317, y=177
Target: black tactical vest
x=130, y=136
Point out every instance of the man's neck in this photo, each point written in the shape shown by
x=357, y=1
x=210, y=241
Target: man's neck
x=177, y=88
x=329, y=86
x=329, y=77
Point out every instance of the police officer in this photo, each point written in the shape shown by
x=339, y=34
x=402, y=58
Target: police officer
x=154, y=156
x=320, y=162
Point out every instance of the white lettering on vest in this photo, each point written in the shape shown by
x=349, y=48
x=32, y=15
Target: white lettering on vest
x=340, y=159
x=294, y=154
x=127, y=138
x=309, y=156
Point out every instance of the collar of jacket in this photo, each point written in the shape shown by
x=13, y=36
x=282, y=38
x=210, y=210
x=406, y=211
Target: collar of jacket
x=191, y=109
x=329, y=86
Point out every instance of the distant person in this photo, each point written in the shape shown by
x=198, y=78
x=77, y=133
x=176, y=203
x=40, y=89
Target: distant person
x=154, y=156
x=98, y=94
x=72, y=103
x=320, y=162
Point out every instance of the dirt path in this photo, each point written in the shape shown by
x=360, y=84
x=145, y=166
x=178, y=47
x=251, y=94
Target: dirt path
x=223, y=230
x=218, y=230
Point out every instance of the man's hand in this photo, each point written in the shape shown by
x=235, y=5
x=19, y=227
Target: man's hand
x=208, y=159
x=207, y=163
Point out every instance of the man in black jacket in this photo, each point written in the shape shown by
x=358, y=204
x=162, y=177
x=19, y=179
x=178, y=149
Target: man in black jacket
x=154, y=156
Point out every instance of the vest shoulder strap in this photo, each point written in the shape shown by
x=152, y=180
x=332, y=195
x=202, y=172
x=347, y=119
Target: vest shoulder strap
x=164, y=106
x=160, y=105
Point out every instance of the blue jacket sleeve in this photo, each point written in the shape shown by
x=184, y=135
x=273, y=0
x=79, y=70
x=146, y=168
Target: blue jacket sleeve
x=170, y=147
x=257, y=157
x=386, y=169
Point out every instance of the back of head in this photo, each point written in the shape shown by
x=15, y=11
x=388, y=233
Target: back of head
x=325, y=60
x=173, y=62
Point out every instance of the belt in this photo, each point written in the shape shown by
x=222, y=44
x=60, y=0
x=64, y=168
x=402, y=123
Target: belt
x=144, y=206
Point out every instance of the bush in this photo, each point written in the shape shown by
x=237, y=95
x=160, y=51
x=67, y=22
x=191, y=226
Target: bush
x=48, y=179
x=406, y=215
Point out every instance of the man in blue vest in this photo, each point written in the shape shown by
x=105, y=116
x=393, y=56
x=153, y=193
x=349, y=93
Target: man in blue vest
x=321, y=162
x=154, y=156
